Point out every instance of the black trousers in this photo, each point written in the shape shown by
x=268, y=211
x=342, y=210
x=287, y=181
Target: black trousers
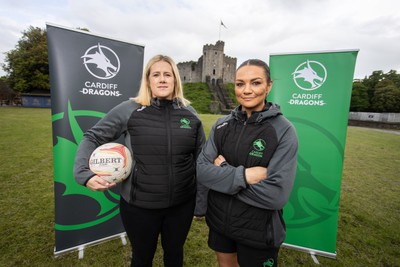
x=143, y=226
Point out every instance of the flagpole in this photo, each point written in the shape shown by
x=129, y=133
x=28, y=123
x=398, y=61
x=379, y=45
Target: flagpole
x=219, y=36
x=220, y=25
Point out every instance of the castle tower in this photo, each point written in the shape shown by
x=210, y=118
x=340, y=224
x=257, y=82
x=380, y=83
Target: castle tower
x=213, y=61
x=210, y=67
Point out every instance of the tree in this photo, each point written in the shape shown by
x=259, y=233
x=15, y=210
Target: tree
x=6, y=94
x=371, y=82
x=27, y=65
x=394, y=77
x=359, y=97
x=386, y=97
x=383, y=90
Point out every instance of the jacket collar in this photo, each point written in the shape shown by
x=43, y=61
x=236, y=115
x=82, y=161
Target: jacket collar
x=158, y=103
x=270, y=110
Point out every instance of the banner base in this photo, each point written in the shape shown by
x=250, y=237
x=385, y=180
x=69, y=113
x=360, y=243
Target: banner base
x=314, y=258
x=312, y=252
x=81, y=248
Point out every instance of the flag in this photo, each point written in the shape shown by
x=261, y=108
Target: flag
x=222, y=24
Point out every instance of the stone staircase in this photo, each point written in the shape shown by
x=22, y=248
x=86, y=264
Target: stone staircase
x=222, y=103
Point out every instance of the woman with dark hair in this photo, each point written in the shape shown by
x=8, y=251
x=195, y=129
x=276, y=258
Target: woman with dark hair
x=249, y=164
x=165, y=136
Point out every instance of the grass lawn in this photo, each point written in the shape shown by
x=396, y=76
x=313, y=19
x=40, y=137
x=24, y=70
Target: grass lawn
x=368, y=232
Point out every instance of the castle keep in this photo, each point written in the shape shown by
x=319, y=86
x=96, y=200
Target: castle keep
x=213, y=65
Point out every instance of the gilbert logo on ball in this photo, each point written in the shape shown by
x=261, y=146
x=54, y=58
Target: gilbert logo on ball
x=111, y=161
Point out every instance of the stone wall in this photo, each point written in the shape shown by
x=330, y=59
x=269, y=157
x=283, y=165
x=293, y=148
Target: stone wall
x=376, y=117
x=375, y=120
x=190, y=71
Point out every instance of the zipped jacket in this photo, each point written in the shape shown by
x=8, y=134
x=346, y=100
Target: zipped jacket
x=164, y=138
x=250, y=214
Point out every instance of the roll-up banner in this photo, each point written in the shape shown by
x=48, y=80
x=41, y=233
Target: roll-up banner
x=314, y=92
x=89, y=75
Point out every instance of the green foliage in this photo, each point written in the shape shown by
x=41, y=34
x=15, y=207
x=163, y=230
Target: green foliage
x=371, y=82
x=4, y=86
x=359, y=97
x=27, y=65
x=199, y=95
x=386, y=99
x=368, y=216
x=6, y=93
x=382, y=93
x=231, y=92
x=393, y=76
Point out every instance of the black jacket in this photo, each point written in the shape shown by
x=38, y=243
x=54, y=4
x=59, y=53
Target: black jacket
x=249, y=214
x=164, y=138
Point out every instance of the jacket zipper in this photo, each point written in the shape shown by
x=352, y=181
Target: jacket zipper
x=228, y=214
x=169, y=155
x=133, y=184
x=238, y=142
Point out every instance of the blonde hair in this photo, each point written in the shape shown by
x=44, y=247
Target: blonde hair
x=144, y=95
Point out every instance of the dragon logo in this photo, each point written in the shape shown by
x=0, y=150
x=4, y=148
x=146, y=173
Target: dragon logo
x=269, y=263
x=310, y=75
x=101, y=61
x=259, y=145
x=185, y=123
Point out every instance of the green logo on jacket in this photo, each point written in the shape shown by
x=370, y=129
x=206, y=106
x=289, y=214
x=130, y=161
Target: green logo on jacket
x=185, y=123
x=269, y=263
x=258, y=148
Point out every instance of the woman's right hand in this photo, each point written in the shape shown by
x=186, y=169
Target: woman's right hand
x=96, y=183
x=255, y=174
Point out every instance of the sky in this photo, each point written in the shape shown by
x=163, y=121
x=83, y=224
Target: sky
x=254, y=28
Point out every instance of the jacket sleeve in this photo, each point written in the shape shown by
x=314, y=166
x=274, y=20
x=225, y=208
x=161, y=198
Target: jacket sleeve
x=108, y=129
x=201, y=138
x=273, y=192
x=226, y=179
x=201, y=191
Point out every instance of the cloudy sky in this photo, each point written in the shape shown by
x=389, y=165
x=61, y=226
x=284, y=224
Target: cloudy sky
x=255, y=28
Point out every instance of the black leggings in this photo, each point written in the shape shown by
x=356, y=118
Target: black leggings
x=143, y=227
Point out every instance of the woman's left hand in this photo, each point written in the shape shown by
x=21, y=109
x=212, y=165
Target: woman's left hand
x=219, y=160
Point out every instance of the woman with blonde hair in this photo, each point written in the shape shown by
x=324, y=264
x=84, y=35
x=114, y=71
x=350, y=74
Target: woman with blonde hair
x=165, y=136
x=145, y=94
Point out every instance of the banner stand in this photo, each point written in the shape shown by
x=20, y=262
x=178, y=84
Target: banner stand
x=81, y=249
x=313, y=90
x=89, y=75
x=314, y=258
x=312, y=252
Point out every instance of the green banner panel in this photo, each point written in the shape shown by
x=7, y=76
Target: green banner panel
x=314, y=92
x=89, y=75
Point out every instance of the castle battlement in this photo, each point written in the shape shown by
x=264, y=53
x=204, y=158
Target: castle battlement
x=219, y=46
x=187, y=62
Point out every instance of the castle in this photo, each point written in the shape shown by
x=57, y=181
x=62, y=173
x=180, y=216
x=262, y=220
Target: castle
x=212, y=66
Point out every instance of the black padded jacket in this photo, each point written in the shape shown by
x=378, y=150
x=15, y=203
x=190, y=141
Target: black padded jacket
x=165, y=139
x=249, y=214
